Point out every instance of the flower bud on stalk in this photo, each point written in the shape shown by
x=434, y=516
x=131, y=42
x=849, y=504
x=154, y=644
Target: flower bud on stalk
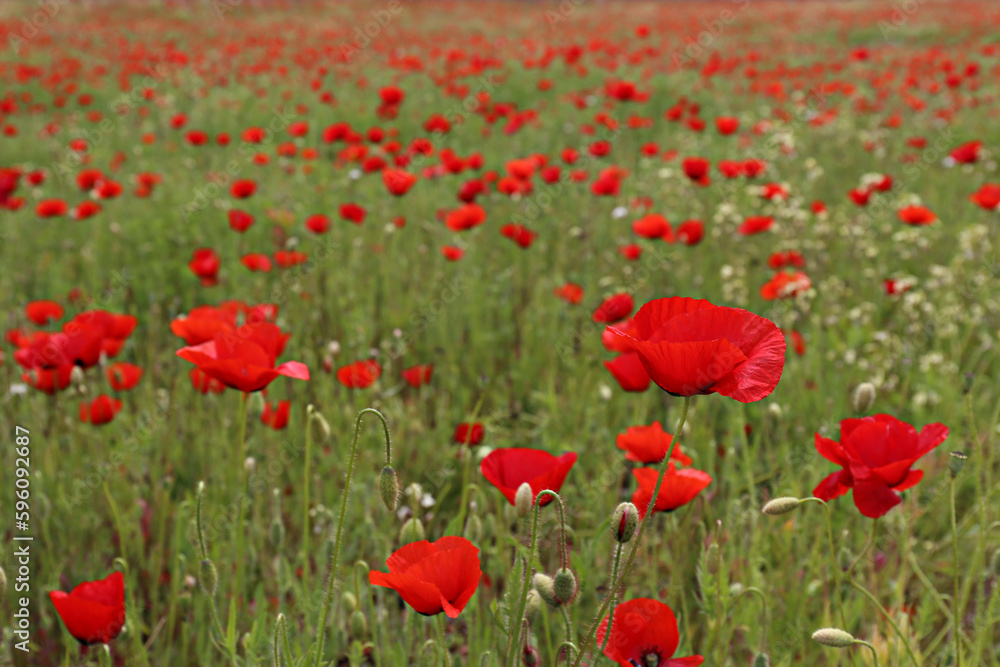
x=956, y=463
x=864, y=397
x=780, y=506
x=762, y=660
x=388, y=488
x=545, y=586
x=624, y=522
x=359, y=625
x=833, y=637
x=412, y=531
x=564, y=586
x=523, y=499
x=208, y=577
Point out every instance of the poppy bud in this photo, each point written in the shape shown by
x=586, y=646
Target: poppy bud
x=624, y=522
x=546, y=589
x=250, y=465
x=523, y=499
x=388, y=488
x=256, y=403
x=317, y=422
x=359, y=625
x=833, y=637
x=3, y=583
x=762, y=660
x=864, y=397
x=350, y=601
x=775, y=410
x=529, y=656
x=208, y=577
x=77, y=380
x=956, y=463
x=413, y=494
x=713, y=559
x=564, y=586
x=532, y=605
x=844, y=558
x=779, y=506
x=412, y=531
x=474, y=529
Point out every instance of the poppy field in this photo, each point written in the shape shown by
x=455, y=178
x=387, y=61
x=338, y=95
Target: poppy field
x=499, y=333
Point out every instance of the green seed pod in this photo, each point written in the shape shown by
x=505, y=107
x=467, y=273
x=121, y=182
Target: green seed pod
x=208, y=577
x=388, y=488
x=474, y=529
x=359, y=625
x=532, y=605
x=564, y=586
x=545, y=586
x=412, y=531
x=350, y=601
x=523, y=499
x=762, y=660
x=780, y=506
x=864, y=397
x=833, y=637
x=713, y=559
x=624, y=522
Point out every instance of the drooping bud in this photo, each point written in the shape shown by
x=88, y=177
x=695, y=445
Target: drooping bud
x=779, y=506
x=350, y=601
x=546, y=589
x=208, y=577
x=564, y=586
x=864, y=397
x=388, y=488
x=317, y=422
x=833, y=637
x=523, y=499
x=956, y=463
x=359, y=625
x=624, y=522
x=412, y=531
x=762, y=660
x=530, y=656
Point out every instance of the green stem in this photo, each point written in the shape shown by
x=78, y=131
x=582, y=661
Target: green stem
x=242, y=448
x=864, y=551
x=305, y=497
x=892, y=622
x=981, y=485
x=753, y=590
x=833, y=560
x=870, y=648
x=515, y=638
x=335, y=559
x=444, y=646
x=611, y=616
x=615, y=586
x=956, y=613
x=467, y=469
x=568, y=624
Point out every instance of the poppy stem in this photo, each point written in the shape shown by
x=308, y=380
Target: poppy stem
x=463, y=509
x=444, y=645
x=305, y=496
x=833, y=559
x=753, y=590
x=870, y=648
x=105, y=655
x=515, y=621
x=956, y=602
x=616, y=585
x=242, y=448
x=334, y=560
x=888, y=617
x=614, y=577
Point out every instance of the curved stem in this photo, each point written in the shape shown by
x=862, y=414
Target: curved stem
x=570, y=647
x=611, y=616
x=335, y=559
x=871, y=648
x=763, y=603
x=569, y=626
x=515, y=637
x=892, y=621
x=638, y=538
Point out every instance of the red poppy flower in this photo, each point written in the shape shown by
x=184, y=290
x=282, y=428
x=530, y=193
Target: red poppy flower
x=101, y=410
x=631, y=252
x=652, y=226
x=51, y=208
x=42, y=312
x=122, y=376
x=509, y=468
x=755, y=225
x=519, y=234
x=649, y=444
x=690, y=346
x=629, y=372
x=860, y=196
x=644, y=632
x=614, y=308
x=360, y=374
x=417, y=376
x=398, y=182
x=691, y=232
x=469, y=434
x=452, y=253
x=352, y=212
x=289, y=258
x=679, y=487
x=433, y=577
x=785, y=285
x=727, y=124
x=205, y=264
x=243, y=189
x=465, y=217
x=276, y=417
x=877, y=454
x=570, y=293
x=48, y=380
x=696, y=169
x=78, y=345
x=94, y=611
x=967, y=153
x=245, y=360
x=987, y=197
x=240, y=221
x=916, y=215
x=204, y=383
x=202, y=323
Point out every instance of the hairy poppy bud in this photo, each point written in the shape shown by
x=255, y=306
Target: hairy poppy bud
x=624, y=522
x=956, y=463
x=523, y=499
x=208, y=577
x=529, y=656
x=782, y=505
x=359, y=625
x=350, y=601
x=413, y=493
x=864, y=397
x=762, y=660
x=317, y=422
x=532, y=605
x=412, y=531
x=546, y=588
x=713, y=559
x=564, y=586
x=833, y=637
x=844, y=558
x=969, y=380
x=388, y=488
